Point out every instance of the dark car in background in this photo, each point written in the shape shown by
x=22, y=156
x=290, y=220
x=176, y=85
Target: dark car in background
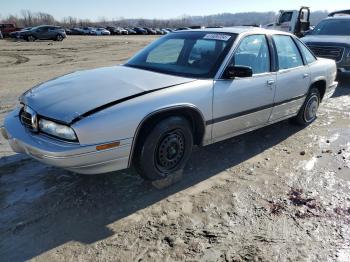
x=331, y=39
x=140, y=31
x=158, y=31
x=130, y=31
x=44, y=32
x=18, y=34
x=114, y=30
x=150, y=31
x=182, y=28
x=75, y=31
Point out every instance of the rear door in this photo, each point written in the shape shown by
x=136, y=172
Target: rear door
x=293, y=78
x=52, y=32
x=243, y=103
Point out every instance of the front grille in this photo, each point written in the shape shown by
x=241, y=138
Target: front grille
x=29, y=118
x=26, y=119
x=331, y=52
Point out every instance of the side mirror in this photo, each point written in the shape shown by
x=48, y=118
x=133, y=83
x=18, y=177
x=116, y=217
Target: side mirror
x=238, y=71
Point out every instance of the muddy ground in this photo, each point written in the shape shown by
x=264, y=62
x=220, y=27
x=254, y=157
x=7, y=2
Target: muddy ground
x=281, y=193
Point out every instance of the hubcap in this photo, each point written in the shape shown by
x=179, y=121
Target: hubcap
x=170, y=151
x=311, y=109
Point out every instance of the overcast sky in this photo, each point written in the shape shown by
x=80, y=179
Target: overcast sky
x=111, y=9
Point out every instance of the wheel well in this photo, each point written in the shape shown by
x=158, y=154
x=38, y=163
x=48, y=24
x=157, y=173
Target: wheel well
x=321, y=86
x=194, y=117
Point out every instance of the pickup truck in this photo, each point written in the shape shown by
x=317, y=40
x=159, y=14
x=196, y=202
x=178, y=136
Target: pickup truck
x=8, y=28
x=296, y=22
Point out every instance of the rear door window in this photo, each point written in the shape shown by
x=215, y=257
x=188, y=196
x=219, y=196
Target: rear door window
x=309, y=57
x=287, y=52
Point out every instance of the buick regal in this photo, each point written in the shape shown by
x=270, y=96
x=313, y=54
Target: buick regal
x=188, y=88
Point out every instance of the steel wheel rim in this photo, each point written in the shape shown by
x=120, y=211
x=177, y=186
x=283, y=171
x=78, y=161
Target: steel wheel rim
x=31, y=38
x=311, y=109
x=170, y=151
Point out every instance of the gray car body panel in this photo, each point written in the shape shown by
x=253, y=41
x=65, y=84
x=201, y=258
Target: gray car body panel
x=227, y=107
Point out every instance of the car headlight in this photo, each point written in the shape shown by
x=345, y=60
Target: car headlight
x=57, y=130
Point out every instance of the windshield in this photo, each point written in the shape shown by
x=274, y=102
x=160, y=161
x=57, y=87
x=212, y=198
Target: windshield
x=333, y=27
x=188, y=54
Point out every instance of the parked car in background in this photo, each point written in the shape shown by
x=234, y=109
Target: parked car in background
x=188, y=88
x=68, y=31
x=130, y=31
x=123, y=31
x=215, y=26
x=102, y=31
x=150, y=31
x=44, y=32
x=89, y=31
x=113, y=30
x=158, y=31
x=7, y=28
x=331, y=39
x=76, y=31
x=182, y=28
x=19, y=34
x=140, y=31
x=165, y=31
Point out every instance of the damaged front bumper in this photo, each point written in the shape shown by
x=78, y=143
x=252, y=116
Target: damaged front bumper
x=84, y=159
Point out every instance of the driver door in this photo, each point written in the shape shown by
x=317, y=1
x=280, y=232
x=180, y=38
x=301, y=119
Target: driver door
x=42, y=33
x=241, y=104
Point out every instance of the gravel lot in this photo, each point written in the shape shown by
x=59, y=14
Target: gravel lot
x=281, y=193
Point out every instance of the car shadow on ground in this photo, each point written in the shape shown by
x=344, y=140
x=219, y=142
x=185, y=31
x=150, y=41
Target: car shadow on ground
x=343, y=87
x=53, y=207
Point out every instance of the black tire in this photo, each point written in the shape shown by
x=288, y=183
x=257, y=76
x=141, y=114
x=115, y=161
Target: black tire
x=308, y=112
x=31, y=38
x=165, y=149
x=59, y=38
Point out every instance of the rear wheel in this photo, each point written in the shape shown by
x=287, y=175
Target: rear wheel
x=308, y=112
x=165, y=149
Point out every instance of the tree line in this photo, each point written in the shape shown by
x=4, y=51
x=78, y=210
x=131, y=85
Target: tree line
x=28, y=18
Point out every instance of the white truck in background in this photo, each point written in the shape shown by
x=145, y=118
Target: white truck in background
x=296, y=22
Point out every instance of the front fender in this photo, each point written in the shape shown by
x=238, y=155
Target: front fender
x=122, y=120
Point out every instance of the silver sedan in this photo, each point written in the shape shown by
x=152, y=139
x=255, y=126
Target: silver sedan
x=192, y=87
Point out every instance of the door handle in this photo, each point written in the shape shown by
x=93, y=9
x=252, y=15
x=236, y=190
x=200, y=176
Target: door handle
x=305, y=75
x=270, y=82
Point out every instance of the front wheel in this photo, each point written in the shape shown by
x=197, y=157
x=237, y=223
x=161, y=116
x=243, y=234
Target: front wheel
x=165, y=149
x=308, y=111
x=31, y=38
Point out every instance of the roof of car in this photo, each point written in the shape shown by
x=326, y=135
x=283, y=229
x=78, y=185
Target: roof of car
x=343, y=17
x=237, y=30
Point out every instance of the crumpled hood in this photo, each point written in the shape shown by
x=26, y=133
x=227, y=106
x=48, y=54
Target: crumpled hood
x=327, y=39
x=70, y=96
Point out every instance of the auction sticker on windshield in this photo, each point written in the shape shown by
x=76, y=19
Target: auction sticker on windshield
x=221, y=37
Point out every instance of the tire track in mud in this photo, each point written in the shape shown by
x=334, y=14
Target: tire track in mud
x=19, y=59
